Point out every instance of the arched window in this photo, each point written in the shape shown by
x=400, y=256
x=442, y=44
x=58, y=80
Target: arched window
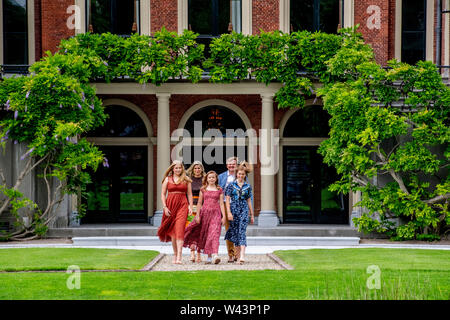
x=214, y=157
x=119, y=188
x=310, y=121
x=315, y=15
x=115, y=16
x=216, y=117
x=306, y=178
x=121, y=122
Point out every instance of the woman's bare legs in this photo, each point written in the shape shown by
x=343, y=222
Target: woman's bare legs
x=242, y=254
x=192, y=253
x=179, y=244
x=174, y=247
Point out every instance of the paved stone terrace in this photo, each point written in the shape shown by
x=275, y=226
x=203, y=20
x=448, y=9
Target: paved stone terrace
x=253, y=262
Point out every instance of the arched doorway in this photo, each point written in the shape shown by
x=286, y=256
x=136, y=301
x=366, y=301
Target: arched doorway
x=306, y=198
x=221, y=120
x=120, y=188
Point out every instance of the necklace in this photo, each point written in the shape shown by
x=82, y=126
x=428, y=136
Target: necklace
x=176, y=182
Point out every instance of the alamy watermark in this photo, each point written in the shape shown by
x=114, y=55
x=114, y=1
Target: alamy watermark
x=74, y=20
x=374, y=281
x=219, y=146
x=74, y=280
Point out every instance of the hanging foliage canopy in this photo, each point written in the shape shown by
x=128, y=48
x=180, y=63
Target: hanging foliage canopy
x=389, y=127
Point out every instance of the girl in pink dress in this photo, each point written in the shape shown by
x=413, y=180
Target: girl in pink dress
x=204, y=232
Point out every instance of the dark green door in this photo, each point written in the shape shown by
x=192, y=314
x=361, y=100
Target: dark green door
x=118, y=192
x=305, y=183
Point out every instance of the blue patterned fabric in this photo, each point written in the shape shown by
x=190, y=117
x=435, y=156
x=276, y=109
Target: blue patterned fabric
x=239, y=209
x=223, y=181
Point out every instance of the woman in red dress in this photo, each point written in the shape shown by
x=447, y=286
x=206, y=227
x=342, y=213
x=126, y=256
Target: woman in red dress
x=177, y=205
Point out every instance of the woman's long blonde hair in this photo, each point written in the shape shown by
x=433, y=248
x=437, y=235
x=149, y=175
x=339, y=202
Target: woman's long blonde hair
x=183, y=176
x=190, y=170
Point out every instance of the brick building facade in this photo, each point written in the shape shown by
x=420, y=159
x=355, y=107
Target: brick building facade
x=169, y=107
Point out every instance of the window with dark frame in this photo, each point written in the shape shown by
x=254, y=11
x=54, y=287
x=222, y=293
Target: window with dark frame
x=15, y=35
x=119, y=17
x=413, y=31
x=315, y=15
x=211, y=18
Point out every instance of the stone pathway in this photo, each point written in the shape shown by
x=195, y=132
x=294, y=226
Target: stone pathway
x=163, y=262
x=253, y=262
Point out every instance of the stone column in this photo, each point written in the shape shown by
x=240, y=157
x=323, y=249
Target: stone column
x=162, y=150
x=267, y=216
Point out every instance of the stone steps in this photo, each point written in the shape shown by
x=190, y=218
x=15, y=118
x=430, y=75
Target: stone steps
x=251, y=241
x=252, y=231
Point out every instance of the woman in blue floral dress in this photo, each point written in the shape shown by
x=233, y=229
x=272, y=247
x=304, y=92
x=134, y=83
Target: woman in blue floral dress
x=240, y=210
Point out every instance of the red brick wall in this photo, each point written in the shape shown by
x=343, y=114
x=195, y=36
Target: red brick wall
x=377, y=38
x=435, y=35
x=444, y=32
x=54, y=23
x=391, y=40
x=37, y=30
x=265, y=15
x=164, y=13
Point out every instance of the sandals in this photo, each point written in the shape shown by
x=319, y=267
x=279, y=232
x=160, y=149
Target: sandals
x=241, y=261
x=192, y=259
x=231, y=259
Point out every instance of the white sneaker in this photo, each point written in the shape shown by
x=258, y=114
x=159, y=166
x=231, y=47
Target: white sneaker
x=208, y=261
x=216, y=260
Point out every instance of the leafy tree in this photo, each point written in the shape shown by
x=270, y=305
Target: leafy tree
x=48, y=111
x=53, y=108
x=389, y=139
x=157, y=59
x=296, y=60
x=389, y=133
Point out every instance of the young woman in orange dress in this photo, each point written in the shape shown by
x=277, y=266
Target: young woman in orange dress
x=176, y=207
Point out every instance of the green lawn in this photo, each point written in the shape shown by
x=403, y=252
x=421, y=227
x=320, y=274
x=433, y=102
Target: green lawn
x=26, y=259
x=360, y=259
x=319, y=274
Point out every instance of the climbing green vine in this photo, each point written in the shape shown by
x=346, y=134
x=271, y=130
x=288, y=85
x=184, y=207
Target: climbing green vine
x=389, y=139
x=389, y=127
